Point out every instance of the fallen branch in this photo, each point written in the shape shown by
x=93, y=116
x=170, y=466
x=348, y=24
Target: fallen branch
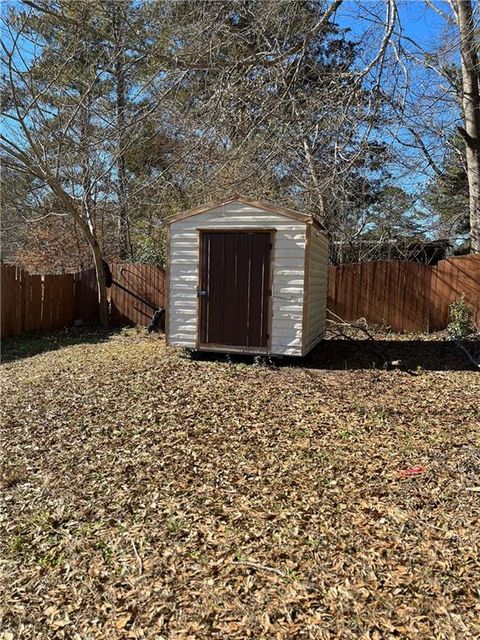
x=137, y=556
x=340, y=328
x=474, y=357
x=262, y=567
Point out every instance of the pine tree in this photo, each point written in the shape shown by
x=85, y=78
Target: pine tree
x=283, y=112
x=447, y=193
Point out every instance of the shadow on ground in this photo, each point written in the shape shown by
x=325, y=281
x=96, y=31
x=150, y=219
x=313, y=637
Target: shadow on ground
x=437, y=354
x=31, y=344
x=429, y=355
x=409, y=355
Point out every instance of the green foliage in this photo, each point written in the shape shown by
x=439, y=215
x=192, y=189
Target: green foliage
x=392, y=215
x=447, y=194
x=149, y=245
x=50, y=559
x=105, y=549
x=461, y=319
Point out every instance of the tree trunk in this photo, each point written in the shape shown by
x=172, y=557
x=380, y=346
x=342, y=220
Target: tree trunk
x=88, y=229
x=88, y=212
x=118, y=24
x=471, y=112
x=101, y=286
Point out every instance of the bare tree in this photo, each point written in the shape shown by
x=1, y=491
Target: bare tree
x=50, y=158
x=264, y=96
x=62, y=127
x=287, y=107
x=471, y=110
x=119, y=28
x=442, y=100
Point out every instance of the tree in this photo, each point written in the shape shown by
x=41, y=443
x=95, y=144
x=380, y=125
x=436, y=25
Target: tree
x=71, y=111
x=51, y=135
x=392, y=216
x=442, y=91
x=283, y=109
x=125, y=112
x=447, y=193
x=471, y=111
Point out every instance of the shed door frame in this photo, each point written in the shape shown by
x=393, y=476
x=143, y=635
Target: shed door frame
x=229, y=348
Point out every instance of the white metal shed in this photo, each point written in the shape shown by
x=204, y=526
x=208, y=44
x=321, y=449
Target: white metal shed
x=246, y=276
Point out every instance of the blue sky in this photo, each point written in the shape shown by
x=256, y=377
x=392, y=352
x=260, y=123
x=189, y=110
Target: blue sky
x=418, y=21
x=421, y=23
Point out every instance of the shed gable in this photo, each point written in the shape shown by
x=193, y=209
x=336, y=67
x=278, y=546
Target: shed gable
x=261, y=205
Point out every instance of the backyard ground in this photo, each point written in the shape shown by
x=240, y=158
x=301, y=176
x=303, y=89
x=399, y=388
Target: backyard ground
x=151, y=496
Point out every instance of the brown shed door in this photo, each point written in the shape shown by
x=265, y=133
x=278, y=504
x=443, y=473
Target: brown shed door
x=234, y=288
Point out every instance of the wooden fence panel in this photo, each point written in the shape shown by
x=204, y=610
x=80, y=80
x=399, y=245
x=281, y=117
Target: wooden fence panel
x=450, y=279
x=60, y=297
x=4, y=288
x=406, y=296
x=403, y=295
x=6, y=296
x=16, y=302
x=26, y=277
x=406, y=302
x=19, y=307
x=33, y=303
x=56, y=292
x=420, y=289
x=10, y=293
x=144, y=281
x=86, y=297
x=67, y=295
x=47, y=311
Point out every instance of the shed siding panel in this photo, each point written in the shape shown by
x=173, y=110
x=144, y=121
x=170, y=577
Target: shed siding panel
x=316, y=289
x=288, y=273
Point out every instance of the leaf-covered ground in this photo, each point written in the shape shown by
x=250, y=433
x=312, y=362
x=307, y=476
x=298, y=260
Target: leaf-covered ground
x=151, y=496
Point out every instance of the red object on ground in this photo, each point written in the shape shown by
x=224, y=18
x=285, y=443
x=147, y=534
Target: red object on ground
x=413, y=471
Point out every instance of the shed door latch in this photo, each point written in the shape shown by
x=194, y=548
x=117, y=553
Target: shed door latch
x=201, y=292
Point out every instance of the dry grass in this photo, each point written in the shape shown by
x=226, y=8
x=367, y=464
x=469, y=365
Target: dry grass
x=151, y=496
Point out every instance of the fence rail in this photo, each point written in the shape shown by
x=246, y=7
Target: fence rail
x=403, y=295
x=44, y=303
x=132, y=284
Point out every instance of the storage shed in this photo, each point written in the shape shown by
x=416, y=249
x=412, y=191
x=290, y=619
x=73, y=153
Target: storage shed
x=246, y=276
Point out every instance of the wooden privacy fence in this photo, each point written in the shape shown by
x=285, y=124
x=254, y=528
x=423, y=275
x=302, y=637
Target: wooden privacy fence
x=44, y=303
x=405, y=296
x=134, y=283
